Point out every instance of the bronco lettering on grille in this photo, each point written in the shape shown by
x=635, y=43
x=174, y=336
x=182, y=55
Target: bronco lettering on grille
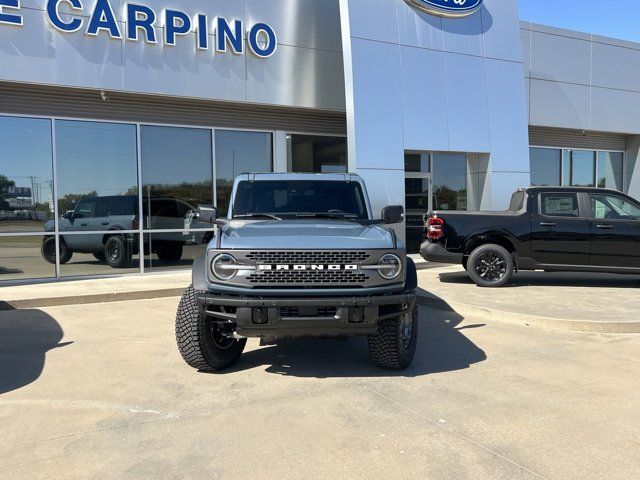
x=311, y=267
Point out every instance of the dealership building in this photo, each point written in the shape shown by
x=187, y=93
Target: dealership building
x=139, y=112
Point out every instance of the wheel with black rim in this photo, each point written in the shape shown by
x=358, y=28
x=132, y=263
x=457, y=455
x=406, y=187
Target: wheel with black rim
x=116, y=252
x=490, y=266
x=394, y=346
x=204, y=343
x=170, y=253
x=48, y=251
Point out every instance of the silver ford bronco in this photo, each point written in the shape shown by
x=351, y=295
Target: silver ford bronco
x=299, y=255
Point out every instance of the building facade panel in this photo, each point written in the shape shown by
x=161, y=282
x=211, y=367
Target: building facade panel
x=35, y=53
x=525, y=38
x=561, y=105
x=385, y=187
x=509, y=138
x=184, y=71
x=418, y=29
x=560, y=59
x=373, y=20
x=463, y=35
x=377, y=101
x=468, y=107
x=615, y=110
x=500, y=20
x=297, y=77
x=303, y=23
x=424, y=88
x=625, y=62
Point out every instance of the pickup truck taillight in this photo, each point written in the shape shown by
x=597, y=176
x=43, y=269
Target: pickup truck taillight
x=435, y=228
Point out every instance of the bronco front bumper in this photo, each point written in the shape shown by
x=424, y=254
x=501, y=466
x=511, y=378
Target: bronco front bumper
x=304, y=317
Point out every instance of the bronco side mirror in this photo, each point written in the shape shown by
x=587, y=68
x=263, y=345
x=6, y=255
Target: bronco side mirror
x=207, y=214
x=393, y=214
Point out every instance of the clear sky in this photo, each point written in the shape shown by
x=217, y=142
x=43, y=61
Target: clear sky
x=611, y=18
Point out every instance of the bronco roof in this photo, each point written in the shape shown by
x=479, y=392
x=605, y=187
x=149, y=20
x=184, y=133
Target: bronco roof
x=336, y=177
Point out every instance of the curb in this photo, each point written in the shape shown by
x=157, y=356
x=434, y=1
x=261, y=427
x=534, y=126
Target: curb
x=88, y=299
x=585, y=326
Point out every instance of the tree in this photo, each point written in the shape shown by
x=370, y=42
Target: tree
x=70, y=200
x=5, y=184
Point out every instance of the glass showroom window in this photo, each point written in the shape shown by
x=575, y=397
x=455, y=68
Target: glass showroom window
x=417, y=167
x=316, y=154
x=449, y=181
x=610, y=170
x=26, y=198
x=417, y=162
x=417, y=185
x=578, y=168
x=239, y=152
x=97, y=183
x=546, y=167
x=177, y=177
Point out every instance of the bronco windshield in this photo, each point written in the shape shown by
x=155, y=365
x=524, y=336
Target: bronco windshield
x=280, y=199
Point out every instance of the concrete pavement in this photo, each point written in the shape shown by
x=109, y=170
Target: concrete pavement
x=100, y=392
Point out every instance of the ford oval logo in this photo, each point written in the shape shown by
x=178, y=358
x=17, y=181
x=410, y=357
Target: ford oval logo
x=447, y=8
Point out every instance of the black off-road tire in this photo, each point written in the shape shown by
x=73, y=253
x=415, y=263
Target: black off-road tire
x=170, y=253
x=117, y=253
x=493, y=279
x=100, y=256
x=196, y=342
x=48, y=251
x=388, y=348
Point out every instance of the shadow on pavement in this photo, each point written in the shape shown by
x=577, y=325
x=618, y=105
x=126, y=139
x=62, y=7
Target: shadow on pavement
x=442, y=347
x=429, y=265
x=25, y=338
x=9, y=271
x=552, y=279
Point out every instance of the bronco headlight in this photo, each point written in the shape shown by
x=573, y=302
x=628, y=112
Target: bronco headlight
x=223, y=267
x=390, y=266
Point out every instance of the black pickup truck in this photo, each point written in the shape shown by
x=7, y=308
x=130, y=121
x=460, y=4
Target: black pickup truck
x=570, y=229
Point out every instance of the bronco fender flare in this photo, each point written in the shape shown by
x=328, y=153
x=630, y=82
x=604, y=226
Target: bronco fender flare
x=411, y=282
x=199, y=274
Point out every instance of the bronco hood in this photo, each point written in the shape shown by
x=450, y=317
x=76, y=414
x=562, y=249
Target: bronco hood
x=304, y=234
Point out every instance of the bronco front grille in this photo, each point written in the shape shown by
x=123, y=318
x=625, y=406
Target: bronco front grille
x=305, y=257
x=331, y=278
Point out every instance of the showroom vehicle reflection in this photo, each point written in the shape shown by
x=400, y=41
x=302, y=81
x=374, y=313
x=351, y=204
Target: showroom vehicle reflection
x=118, y=215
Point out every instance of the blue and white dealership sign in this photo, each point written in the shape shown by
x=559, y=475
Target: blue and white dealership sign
x=142, y=20
x=447, y=8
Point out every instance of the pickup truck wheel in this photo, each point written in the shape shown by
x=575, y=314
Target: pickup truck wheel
x=116, y=252
x=200, y=341
x=394, y=346
x=490, y=266
x=170, y=254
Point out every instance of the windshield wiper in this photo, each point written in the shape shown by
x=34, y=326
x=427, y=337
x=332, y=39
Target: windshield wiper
x=258, y=215
x=337, y=216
